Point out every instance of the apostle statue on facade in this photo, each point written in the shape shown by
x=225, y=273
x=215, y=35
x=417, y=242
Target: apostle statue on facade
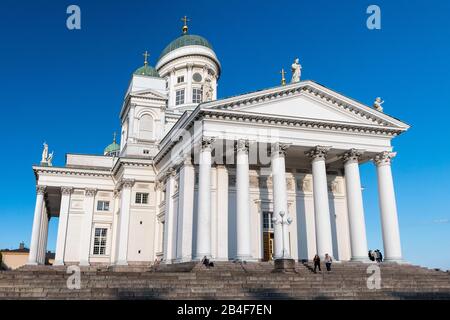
x=207, y=90
x=296, y=71
x=377, y=104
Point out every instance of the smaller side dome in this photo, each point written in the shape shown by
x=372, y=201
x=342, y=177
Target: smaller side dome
x=147, y=71
x=113, y=149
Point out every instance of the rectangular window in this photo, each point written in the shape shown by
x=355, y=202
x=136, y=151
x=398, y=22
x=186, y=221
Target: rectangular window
x=141, y=198
x=196, y=95
x=103, y=206
x=179, y=97
x=267, y=221
x=180, y=79
x=100, y=241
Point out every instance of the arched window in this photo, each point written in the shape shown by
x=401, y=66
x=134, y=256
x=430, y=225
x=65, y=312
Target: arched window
x=146, y=127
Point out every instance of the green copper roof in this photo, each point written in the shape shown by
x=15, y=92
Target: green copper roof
x=147, y=71
x=113, y=147
x=186, y=40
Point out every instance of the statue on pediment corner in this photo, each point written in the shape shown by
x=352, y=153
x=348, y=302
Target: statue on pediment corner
x=46, y=159
x=296, y=71
x=377, y=104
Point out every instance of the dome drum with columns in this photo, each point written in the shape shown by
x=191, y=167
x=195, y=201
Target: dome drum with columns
x=271, y=174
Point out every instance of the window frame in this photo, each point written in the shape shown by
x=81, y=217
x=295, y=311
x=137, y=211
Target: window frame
x=103, y=209
x=141, y=198
x=197, y=92
x=100, y=242
x=180, y=96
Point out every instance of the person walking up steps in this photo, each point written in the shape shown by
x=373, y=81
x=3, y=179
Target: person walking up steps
x=316, y=261
x=328, y=261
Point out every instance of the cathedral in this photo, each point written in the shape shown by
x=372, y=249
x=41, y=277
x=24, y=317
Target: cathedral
x=271, y=174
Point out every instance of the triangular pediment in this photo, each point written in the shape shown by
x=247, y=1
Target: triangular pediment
x=304, y=106
x=149, y=94
x=307, y=100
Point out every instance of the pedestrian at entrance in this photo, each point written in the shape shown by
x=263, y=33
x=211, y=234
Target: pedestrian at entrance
x=316, y=261
x=328, y=261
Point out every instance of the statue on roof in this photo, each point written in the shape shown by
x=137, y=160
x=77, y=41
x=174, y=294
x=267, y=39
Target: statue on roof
x=44, y=153
x=377, y=104
x=296, y=71
x=46, y=159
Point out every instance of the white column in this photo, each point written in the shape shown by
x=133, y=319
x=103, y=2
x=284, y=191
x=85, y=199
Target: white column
x=321, y=206
x=169, y=221
x=222, y=212
x=45, y=236
x=44, y=220
x=358, y=239
x=124, y=222
x=243, y=201
x=204, y=201
x=62, y=225
x=131, y=116
x=388, y=208
x=37, y=220
x=281, y=232
x=185, y=210
x=172, y=88
x=86, y=231
x=189, y=83
x=115, y=226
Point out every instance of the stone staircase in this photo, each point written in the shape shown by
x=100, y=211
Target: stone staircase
x=226, y=280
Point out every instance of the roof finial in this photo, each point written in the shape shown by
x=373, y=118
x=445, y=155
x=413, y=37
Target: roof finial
x=283, y=78
x=185, y=21
x=146, y=55
x=114, y=137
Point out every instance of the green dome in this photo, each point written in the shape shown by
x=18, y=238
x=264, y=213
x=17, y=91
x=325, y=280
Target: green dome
x=147, y=71
x=112, y=149
x=186, y=40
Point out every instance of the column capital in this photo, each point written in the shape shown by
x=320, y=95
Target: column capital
x=171, y=172
x=206, y=143
x=279, y=148
x=384, y=158
x=89, y=192
x=186, y=159
x=242, y=145
x=352, y=155
x=159, y=185
x=127, y=183
x=41, y=189
x=116, y=193
x=318, y=153
x=66, y=190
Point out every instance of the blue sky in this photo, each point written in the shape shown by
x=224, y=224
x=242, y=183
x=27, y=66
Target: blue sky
x=66, y=87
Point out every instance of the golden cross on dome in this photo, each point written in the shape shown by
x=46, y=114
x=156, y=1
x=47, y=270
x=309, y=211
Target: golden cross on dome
x=146, y=55
x=283, y=79
x=185, y=21
x=114, y=137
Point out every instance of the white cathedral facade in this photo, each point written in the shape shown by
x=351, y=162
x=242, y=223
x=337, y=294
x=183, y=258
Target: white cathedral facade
x=255, y=177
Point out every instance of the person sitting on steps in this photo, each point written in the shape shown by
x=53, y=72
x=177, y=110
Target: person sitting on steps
x=207, y=263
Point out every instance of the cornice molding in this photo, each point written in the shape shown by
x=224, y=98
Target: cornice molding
x=71, y=172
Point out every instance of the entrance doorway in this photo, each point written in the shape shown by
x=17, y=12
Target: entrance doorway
x=267, y=236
